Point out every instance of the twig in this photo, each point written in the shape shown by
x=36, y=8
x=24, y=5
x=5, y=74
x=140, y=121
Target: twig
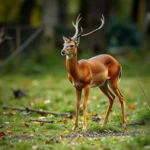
x=136, y=123
x=13, y=108
x=34, y=110
x=44, y=121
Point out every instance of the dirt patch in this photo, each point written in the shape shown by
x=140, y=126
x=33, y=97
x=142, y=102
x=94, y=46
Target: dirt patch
x=85, y=135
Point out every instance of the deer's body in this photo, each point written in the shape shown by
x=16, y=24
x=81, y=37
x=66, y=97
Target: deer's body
x=99, y=71
x=94, y=71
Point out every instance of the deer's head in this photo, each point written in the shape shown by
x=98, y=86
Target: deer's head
x=70, y=44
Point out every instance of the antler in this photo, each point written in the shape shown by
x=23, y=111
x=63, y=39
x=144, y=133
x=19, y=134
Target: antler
x=76, y=28
x=77, y=34
x=102, y=20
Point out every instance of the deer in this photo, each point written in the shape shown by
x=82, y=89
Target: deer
x=102, y=71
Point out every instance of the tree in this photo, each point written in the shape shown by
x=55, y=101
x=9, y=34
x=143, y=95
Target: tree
x=97, y=42
x=25, y=11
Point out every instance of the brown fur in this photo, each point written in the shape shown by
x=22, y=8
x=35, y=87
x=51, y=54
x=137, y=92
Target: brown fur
x=98, y=71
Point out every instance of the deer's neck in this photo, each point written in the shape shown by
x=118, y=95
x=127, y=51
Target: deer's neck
x=72, y=65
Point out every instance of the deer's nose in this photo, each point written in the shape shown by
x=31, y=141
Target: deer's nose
x=62, y=52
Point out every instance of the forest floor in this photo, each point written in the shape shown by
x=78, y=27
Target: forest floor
x=52, y=92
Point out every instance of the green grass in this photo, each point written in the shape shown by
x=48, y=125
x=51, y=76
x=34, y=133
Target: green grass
x=49, y=89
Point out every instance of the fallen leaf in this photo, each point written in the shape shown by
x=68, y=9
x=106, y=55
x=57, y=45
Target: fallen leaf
x=11, y=146
x=41, y=123
x=80, y=137
x=69, y=116
x=31, y=104
x=9, y=132
x=26, y=125
x=131, y=106
x=47, y=101
x=13, y=112
x=35, y=147
x=61, y=137
x=63, y=121
x=47, y=142
x=95, y=115
x=96, y=118
x=2, y=134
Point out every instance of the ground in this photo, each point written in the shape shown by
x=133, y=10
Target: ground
x=51, y=91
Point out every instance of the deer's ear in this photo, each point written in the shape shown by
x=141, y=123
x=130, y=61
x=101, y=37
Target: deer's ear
x=65, y=39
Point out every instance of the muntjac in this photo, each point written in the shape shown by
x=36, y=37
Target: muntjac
x=102, y=71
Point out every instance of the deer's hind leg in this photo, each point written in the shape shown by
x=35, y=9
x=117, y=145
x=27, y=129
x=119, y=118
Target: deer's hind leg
x=111, y=98
x=114, y=86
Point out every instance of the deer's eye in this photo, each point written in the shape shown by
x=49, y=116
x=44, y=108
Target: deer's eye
x=71, y=46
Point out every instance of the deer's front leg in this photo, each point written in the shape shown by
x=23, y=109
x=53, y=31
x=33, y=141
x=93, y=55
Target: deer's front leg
x=86, y=94
x=78, y=98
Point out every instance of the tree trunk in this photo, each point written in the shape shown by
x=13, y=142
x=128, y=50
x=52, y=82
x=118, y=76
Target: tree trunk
x=147, y=23
x=97, y=41
x=147, y=18
x=63, y=13
x=135, y=10
x=25, y=11
x=50, y=17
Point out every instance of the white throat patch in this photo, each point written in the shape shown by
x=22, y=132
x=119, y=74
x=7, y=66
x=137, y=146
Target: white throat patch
x=69, y=56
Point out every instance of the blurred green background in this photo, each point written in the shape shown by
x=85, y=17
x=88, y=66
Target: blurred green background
x=37, y=26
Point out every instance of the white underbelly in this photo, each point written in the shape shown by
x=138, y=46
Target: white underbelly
x=96, y=85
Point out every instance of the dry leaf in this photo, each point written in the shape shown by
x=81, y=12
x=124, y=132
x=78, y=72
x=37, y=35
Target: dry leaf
x=47, y=142
x=31, y=104
x=63, y=121
x=47, y=101
x=13, y=112
x=96, y=118
x=35, y=147
x=69, y=116
x=95, y=115
x=2, y=134
x=41, y=123
x=80, y=137
x=131, y=106
x=11, y=146
x=61, y=137
x=9, y=132
x=26, y=125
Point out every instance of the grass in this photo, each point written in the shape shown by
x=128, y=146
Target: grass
x=48, y=88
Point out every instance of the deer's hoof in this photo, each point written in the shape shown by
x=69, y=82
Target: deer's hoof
x=124, y=126
x=74, y=127
x=84, y=127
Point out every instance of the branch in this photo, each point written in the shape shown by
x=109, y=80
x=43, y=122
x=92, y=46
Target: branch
x=136, y=123
x=44, y=121
x=36, y=111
